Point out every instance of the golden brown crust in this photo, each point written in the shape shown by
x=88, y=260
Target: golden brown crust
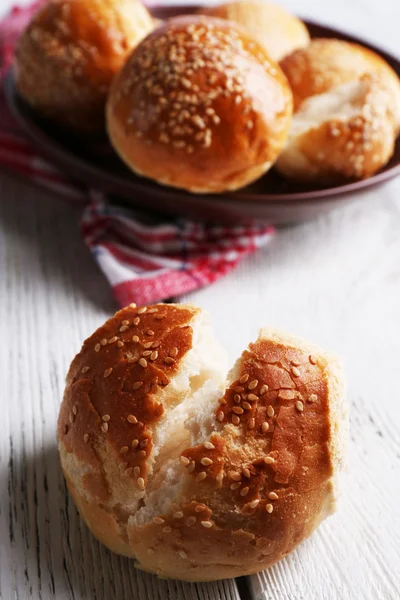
x=327, y=63
x=200, y=106
x=129, y=360
x=235, y=500
x=69, y=54
x=268, y=486
x=278, y=31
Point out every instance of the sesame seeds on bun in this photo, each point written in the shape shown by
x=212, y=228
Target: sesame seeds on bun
x=199, y=106
x=276, y=29
x=198, y=475
x=68, y=55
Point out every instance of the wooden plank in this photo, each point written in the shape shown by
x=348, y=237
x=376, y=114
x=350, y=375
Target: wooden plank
x=51, y=297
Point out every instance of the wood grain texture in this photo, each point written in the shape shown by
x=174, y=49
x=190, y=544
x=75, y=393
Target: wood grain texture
x=51, y=297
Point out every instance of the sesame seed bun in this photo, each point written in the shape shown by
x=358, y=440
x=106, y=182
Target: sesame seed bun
x=327, y=63
x=197, y=476
x=199, y=106
x=347, y=113
x=69, y=53
x=278, y=31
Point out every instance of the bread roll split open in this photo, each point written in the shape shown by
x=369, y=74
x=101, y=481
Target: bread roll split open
x=196, y=474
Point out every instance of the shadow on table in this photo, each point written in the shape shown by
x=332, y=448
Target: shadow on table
x=53, y=554
x=44, y=241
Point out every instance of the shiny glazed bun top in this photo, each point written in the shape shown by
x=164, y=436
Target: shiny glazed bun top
x=70, y=52
x=200, y=106
x=278, y=31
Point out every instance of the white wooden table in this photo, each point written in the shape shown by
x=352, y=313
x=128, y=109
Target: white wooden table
x=335, y=280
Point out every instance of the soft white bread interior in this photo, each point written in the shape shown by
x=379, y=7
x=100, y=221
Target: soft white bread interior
x=198, y=475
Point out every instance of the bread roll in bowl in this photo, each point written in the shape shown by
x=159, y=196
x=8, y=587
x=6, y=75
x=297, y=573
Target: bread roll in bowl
x=199, y=106
x=196, y=476
x=278, y=31
x=69, y=53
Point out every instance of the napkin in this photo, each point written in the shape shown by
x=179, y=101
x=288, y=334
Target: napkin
x=145, y=257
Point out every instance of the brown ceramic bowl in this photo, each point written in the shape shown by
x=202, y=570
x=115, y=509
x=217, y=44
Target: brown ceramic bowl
x=271, y=199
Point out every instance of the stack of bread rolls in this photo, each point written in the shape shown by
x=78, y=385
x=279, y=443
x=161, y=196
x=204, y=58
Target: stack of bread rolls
x=209, y=102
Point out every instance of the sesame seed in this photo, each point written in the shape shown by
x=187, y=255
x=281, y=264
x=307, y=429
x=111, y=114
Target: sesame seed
x=108, y=372
x=254, y=503
x=199, y=508
x=270, y=411
x=74, y=410
x=222, y=401
x=265, y=427
x=235, y=419
x=235, y=486
x=269, y=508
x=246, y=406
x=135, y=444
x=191, y=467
x=140, y=482
x=313, y=398
x=299, y=405
x=132, y=305
x=136, y=471
x=128, y=471
x=86, y=438
x=148, y=345
x=158, y=520
x=209, y=445
x=136, y=320
x=253, y=384
x=200, y=476
x=206, y=524
x=142, y=310
x=135, y=338
x=154, y=355
x=106, y=418
x=246, y=472
x=244, y=491
x=113, y=339
x=143, y=362
x=147, y=353
x=236, y=398
x=295, y=371
x=237, y=410
x=144, y=443
x=103, y=342
x=160, y=317
x=295, y=363
x=97, y=347
x=167, y=529
x=235, y=476
x=85, y=370
x=150, y=332
x=252, y=397
x=122, y=466
x=142, y=454
x=123, y=328
x=312, y=359
x=190, y=521
x=168, y=360
x=104, y=427
x=174, y=352
x=182, y=554
x=120, y=343
x=206, y=461
x=124, y=450
x=137, y=385
x=131, y=419
x=152, y=310
x=269, y=460
x=251, y=423
x=184, y=460
x=243, y=378
x=178, y=514
x=263, y=390
x=273, y=496
x=220, y=416
x=238, y=389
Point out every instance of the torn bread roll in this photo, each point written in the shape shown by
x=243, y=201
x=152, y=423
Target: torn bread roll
x=276, y=29
x=200, y=106
x=347, y=113
x=70, y=52
x=196, y=476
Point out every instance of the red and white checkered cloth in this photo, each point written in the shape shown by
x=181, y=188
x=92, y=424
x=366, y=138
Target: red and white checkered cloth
x=144, y=260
